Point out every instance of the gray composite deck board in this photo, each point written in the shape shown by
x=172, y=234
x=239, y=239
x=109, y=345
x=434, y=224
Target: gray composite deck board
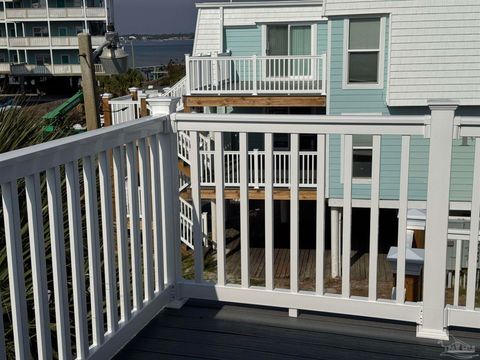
x=208, y=330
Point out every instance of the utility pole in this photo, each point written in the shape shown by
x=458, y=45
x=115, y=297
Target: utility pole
x=90, y=95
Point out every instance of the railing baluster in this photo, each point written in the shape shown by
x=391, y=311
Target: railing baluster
x=458, y=268
x=39, y=268
x=121, y=230
x=294, y=211
x=244, y=211
x=374, y=219
x=77, y=255
x=59, y=268
x=269, y=214
x=320, y=238
x=104, y=167
x=347, y=216
x=197, y=204
x=94, y=274
x=220, y=203
x=157, y=213
x=16, y=276
x=474, y=229
x=134, y=226
x=402, y=219
x=145, y=186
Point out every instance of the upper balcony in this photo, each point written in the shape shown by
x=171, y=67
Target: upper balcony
x=54, y=13
x=278, y=79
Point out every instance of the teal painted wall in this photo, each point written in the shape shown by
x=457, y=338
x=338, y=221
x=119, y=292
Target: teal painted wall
x=322, y=38
x=243, y=41
x=374, y=101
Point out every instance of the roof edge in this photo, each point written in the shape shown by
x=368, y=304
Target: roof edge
x=246, y=4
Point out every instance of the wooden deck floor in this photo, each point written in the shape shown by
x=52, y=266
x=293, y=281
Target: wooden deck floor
x=211, y=330
x=359, y=269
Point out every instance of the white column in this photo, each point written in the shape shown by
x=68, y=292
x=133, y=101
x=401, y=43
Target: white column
x=432, y=324
x=335, y=242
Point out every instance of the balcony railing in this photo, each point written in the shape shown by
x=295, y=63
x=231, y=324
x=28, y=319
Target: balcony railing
x=70, y=195
x=55, y=13
x=4, y=67
x=57, y=41
x=56, y=69
x=256, y=75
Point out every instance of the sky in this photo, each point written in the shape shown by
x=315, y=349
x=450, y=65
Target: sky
x=155, y=16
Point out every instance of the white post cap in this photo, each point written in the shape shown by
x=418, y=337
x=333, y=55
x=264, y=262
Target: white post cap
x=163, y=105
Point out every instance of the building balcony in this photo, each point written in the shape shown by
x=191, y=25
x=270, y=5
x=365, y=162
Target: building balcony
x=56, y=41
x=48, y=69
x=54, y=13
x=92, y=233
x=257, y=76
x=4, y=68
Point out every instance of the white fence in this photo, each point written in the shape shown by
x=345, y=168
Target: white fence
x=256, y=74
x=58, y=196
x=186, y=225
x=245, y=168
x=178, y=90
x=124, y=109
x=256, y=168
x=41, y=187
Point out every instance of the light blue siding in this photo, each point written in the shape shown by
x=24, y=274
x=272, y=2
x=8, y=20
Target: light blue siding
x=243, y=41
x=322, y=38
x=374, y=101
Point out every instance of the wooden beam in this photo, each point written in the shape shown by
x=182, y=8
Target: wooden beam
x=254, y=101
x=234, y=194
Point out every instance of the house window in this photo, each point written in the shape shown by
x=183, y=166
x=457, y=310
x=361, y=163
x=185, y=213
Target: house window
x=364, y=52
x=362, y=156
x=288, y=40
x=65, y=59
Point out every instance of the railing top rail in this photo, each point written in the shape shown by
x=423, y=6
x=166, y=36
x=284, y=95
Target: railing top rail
x=122, y=99
x=468, y=120
x=229, y=58
x=33, y=159
x=313, y=124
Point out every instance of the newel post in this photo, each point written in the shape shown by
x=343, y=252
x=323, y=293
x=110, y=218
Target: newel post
x=433, y=322
x=169, y=185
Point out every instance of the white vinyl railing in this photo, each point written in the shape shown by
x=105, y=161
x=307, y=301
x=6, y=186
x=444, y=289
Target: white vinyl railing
x=256, y=74
x=124, y=109
x=296, y=170
x=178, y=90
x=256, y=168
x=186, y=225
x=69, y=195
x=184, y=145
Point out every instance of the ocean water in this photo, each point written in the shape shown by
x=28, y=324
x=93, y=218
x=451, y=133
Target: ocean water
x=157, y=52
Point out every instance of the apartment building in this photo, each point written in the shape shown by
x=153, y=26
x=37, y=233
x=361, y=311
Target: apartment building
x=38, y=38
